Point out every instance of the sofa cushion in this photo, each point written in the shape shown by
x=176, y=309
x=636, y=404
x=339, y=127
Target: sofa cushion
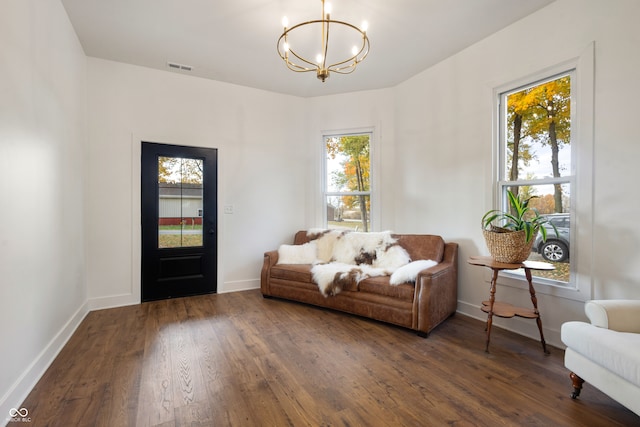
x=294, y=272
x=420, y=246
x=380, y=285
x=617, y=351
x=297, y=254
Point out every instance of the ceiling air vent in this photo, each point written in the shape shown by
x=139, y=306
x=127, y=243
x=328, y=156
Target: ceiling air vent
x=177, y=66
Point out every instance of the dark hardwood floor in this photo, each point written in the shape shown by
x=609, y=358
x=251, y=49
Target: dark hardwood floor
x=240, y=360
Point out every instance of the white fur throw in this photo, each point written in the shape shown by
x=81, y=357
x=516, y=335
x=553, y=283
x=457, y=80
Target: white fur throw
x=297, y=254
x=325, y=241
x=409, y=272
x=332, y=277
x=360, y=248
x=354, y=257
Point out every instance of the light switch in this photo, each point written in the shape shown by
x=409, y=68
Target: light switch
x=228, y=209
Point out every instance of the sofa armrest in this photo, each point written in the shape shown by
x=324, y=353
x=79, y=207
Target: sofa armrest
x=618, y=315
x=270, y=259
x=448, y=265
x=436, y=293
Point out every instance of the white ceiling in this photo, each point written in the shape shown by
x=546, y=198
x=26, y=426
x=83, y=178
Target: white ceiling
x=234, y=41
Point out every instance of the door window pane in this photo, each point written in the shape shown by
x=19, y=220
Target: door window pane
x=180, y=190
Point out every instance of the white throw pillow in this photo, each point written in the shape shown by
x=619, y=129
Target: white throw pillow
x=297, y=254
x=391, y=258
x=409, y=272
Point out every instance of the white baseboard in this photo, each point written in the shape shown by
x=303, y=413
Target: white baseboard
x=518, y=325
x=102, y=303
x=122, y=300
x=239, y=285
x=19, y=390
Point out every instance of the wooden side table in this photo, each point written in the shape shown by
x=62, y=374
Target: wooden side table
x=502, y=309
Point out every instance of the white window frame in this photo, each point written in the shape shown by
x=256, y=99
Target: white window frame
x=503, y=184
x=374, y=213
x=580, y=287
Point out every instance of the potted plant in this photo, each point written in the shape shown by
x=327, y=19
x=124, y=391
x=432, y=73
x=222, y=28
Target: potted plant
x=512, y=239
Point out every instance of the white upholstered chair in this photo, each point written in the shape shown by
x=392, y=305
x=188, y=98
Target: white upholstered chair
x=606, y=352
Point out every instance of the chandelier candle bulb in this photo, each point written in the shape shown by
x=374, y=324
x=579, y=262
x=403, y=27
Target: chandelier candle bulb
x=285, y=22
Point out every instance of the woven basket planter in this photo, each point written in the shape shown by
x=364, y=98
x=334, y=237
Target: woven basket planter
x=508, y=246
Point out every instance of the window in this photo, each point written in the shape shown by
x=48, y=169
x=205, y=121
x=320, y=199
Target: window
x=180, y=193
x=347, y=181
x=536, y=163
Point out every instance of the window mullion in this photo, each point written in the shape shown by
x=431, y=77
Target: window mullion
x=347, y=193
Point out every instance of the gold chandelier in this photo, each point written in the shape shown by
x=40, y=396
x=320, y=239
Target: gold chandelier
x=325, y=63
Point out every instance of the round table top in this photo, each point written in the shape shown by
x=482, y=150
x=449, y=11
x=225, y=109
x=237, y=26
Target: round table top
x=487, y=261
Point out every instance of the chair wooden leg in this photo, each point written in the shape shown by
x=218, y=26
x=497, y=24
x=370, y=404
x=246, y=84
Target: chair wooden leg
x=577, y=385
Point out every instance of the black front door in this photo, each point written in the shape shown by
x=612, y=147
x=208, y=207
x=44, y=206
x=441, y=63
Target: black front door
x=179, y=220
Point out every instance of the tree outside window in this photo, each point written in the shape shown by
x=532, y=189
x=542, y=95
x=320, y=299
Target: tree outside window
x=347, y=181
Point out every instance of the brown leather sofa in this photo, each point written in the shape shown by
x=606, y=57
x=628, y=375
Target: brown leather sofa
x=421, y=306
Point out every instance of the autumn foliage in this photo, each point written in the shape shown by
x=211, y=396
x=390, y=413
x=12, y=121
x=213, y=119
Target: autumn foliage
x=538, y=116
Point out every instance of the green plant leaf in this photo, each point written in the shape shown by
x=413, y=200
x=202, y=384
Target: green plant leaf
x=519, y=217
x=489, y=217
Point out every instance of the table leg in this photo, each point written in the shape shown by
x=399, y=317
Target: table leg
x=492, y=299
x=534, y=301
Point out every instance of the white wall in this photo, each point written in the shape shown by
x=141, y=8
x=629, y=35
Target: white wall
x=42, y=140
x=262, y=165
x=444, y=147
